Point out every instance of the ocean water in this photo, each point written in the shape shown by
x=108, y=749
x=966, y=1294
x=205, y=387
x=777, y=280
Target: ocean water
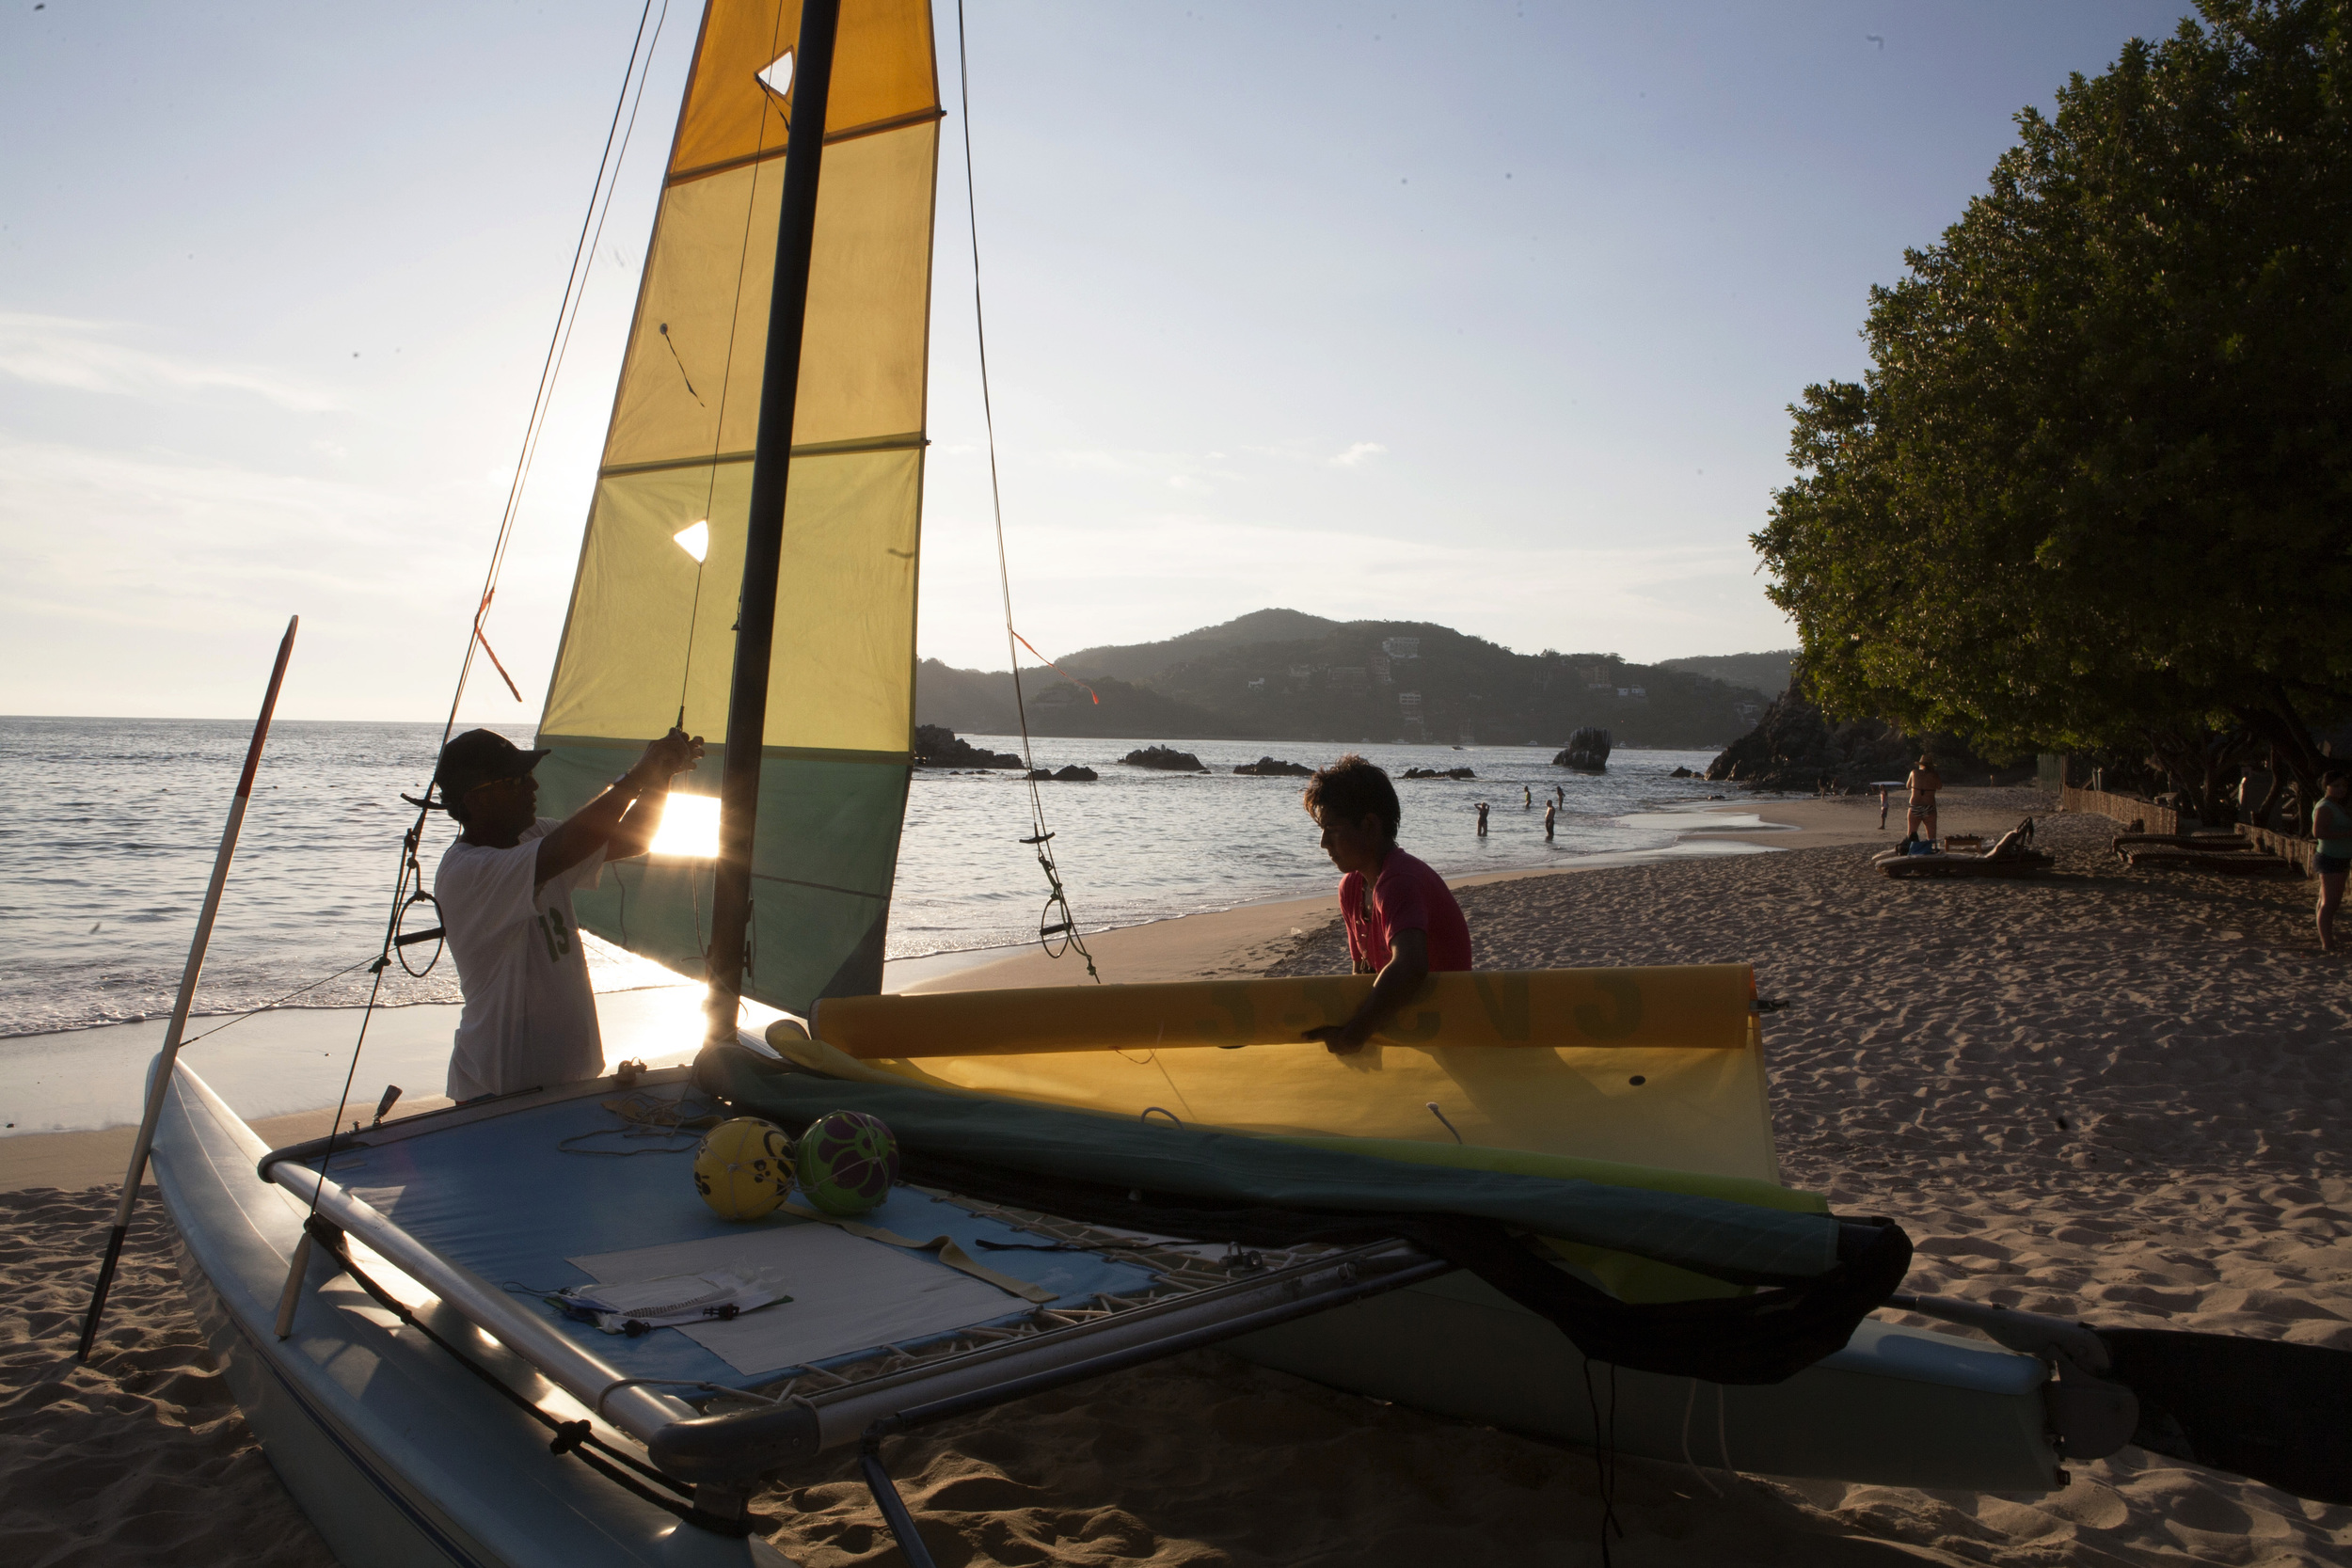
x=114, y=822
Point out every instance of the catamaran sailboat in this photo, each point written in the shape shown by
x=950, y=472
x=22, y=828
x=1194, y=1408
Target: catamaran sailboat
x=1530, y=1175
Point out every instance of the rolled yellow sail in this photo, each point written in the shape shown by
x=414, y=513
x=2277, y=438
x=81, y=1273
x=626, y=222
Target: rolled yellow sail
x=1689, y=1007
x=1646, y=1067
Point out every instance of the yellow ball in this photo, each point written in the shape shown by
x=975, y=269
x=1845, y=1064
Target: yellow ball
x=743, y=1169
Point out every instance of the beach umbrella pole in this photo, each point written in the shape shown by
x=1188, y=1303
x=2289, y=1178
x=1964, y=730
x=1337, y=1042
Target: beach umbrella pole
x=161, y=1080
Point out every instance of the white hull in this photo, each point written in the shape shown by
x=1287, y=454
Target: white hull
x=398, y=1455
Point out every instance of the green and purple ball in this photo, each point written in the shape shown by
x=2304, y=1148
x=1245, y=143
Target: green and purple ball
x=848, y=1162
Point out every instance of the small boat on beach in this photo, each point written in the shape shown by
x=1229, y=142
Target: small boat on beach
x=1537, y=1184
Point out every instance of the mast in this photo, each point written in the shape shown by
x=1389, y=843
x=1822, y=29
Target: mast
x=763, y=544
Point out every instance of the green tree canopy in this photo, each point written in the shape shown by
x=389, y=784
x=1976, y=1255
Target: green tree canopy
x=2095, y=482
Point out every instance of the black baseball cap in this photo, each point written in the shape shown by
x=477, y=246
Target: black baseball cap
x=479, y=757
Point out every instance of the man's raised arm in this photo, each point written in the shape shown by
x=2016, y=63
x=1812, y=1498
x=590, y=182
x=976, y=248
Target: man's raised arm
x=623, y=819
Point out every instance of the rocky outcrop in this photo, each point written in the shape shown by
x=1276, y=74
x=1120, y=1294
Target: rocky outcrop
x=1438, y=773
x=935, y=746
x=1587, y=749
x=1268, y=767
x=1165, y=758
x=1796, y=746
x=1072, y=774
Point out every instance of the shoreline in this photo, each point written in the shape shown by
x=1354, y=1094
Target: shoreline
x=104, y=1065
x=1245, y=937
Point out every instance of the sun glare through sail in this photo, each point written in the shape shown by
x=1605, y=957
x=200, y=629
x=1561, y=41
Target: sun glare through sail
x=690, y=828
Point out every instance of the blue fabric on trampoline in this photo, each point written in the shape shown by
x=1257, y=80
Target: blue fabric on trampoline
x=498, y=1198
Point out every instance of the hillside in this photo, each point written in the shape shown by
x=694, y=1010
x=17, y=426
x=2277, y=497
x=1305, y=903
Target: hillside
x=979, y=701
x=1764, y=673
x=969, y=701
x=1350, y=681
x=1141, y=661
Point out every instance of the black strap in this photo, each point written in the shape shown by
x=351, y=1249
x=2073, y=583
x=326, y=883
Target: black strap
x=1767, y=1336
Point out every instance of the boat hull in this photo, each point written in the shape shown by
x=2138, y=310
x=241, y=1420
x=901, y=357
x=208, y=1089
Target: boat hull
x=1896, y=1407
x=398, y=1454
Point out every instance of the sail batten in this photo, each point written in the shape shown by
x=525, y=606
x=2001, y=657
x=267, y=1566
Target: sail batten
x=813, y=448
x=832, y=138
x=650, y=633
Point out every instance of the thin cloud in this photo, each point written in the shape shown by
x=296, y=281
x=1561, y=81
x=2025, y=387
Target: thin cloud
x=1356, y=455
x=1177, y=470
x=162, y=540
x=94, y=356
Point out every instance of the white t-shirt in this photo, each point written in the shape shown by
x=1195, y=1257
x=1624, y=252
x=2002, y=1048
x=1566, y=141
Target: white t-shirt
x=530, y=1017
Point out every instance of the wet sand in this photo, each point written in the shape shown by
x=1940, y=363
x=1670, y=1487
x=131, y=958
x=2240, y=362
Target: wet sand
x=2113, y=1094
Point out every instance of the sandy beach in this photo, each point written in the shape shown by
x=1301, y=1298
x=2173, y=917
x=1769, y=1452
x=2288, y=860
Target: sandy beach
x=2108, y=1093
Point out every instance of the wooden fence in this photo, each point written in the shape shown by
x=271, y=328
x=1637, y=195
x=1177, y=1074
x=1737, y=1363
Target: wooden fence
x=2164, y=819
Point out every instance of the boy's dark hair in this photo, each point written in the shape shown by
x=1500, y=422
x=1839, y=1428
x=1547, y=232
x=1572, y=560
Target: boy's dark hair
x=1348, y=789
x=2325, y=779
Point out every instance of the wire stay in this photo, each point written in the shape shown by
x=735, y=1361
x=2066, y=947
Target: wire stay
x=1058, y=921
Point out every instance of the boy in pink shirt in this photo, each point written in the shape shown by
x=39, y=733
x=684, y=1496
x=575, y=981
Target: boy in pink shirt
x=1402, y=920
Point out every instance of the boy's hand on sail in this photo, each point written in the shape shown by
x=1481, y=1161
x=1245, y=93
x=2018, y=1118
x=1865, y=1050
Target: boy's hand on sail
x=1400, y=978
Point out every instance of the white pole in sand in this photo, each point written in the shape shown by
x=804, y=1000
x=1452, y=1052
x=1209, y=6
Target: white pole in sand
x=162, y=1079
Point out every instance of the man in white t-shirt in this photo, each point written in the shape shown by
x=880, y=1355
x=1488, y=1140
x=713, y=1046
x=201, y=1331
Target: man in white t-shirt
x=505, y=893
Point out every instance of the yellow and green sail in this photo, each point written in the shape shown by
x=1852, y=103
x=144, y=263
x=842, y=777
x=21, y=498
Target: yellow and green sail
x=648, y=631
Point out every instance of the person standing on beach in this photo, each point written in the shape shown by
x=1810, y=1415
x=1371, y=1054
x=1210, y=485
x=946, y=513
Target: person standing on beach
x=1402, y=920
x=1923, y=783
x=505, y=895
x=1527, y=791
x=2331, y=824
x=1548, y=809
x=1482, y=820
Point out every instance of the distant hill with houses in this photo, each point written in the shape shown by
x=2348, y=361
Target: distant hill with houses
x=1284, y=674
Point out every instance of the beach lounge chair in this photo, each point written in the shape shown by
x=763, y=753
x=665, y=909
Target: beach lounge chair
x=2012, y=856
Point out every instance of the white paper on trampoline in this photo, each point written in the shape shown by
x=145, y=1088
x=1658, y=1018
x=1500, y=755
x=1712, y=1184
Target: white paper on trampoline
x=848, y=1294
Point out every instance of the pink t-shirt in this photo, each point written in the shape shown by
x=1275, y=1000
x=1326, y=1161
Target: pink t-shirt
x=1406, y=897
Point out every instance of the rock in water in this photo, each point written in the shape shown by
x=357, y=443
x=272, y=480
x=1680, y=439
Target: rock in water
x=1072, y=774
x=1166, y=758
x=1587, y=749
x=935, y=746
x=1796, y=746
x=1439, y=774
x=1269, y=768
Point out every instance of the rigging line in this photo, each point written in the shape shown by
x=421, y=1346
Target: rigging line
x=735, y=320
x=681, y=366
x=566, y=308
x=367, y=1014
x=572, y=283
x=478, y=615
x=268, y=1006
x=612, y=187
x=1041, y=838
x=1058, y=669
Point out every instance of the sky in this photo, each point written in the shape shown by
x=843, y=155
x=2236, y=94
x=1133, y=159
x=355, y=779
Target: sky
x=1480, y=314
